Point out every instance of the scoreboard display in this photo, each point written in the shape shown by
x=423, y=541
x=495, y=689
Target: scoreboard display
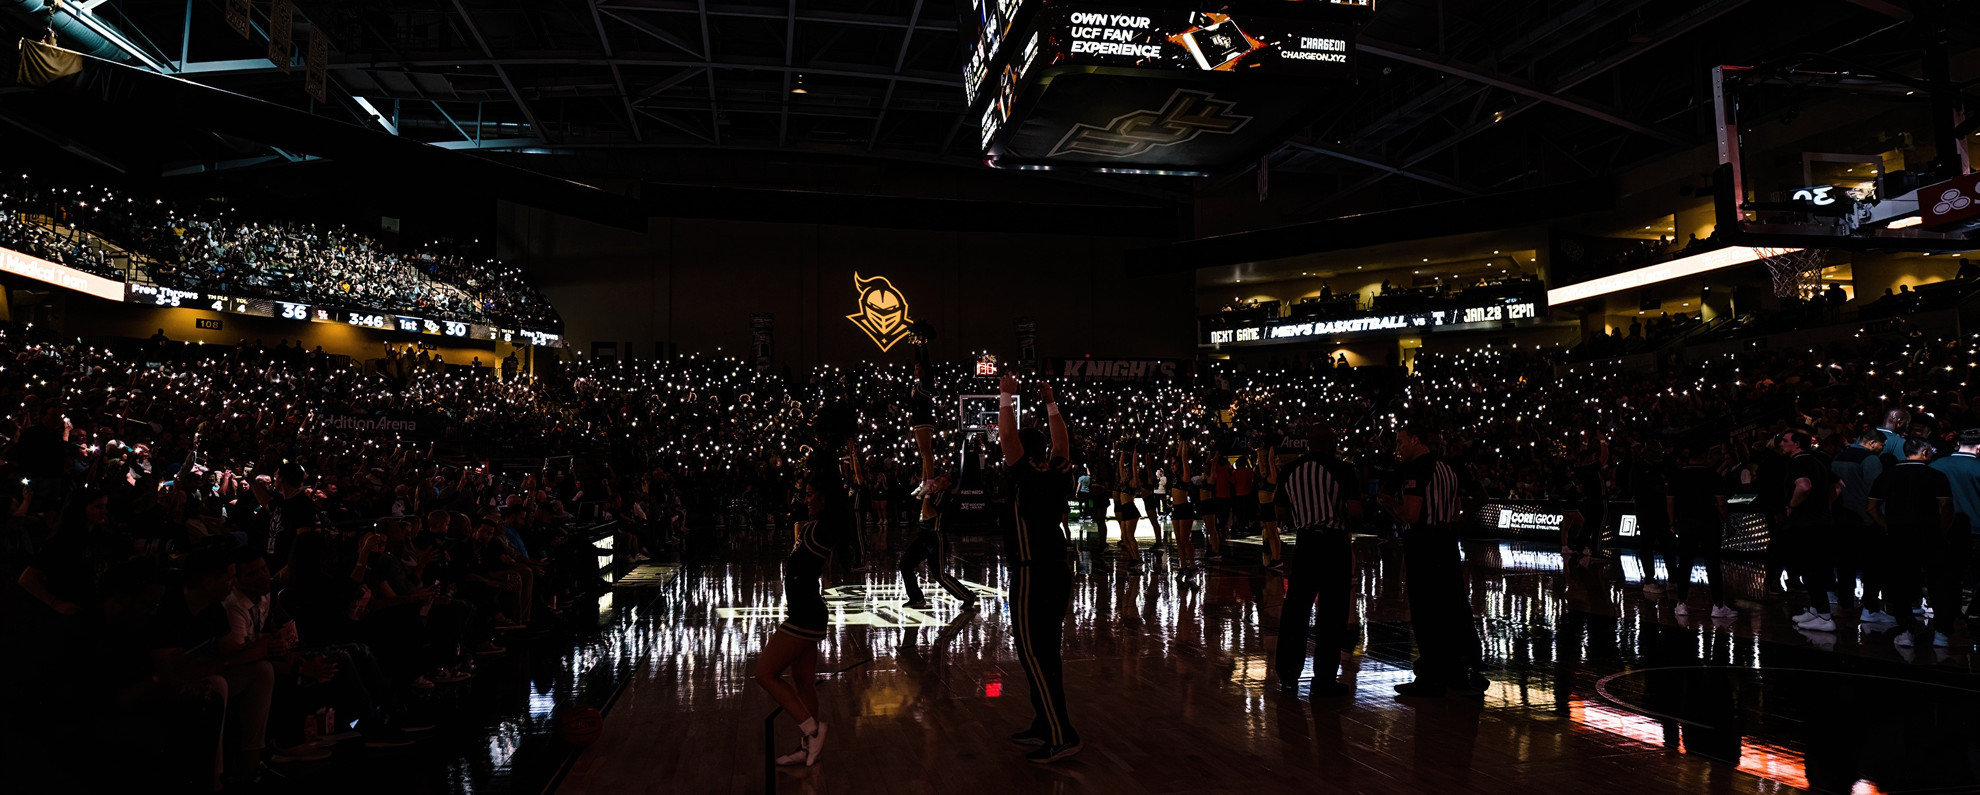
x=1149, y=87
x=157, y=295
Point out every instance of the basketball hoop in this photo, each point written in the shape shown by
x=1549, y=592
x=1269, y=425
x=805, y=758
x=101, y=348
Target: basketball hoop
x=1797, y=272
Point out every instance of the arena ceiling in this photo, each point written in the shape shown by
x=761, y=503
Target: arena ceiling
x=1455, y=98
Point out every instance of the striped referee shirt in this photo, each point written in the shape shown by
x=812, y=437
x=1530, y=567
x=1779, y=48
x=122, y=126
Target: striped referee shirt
x=1312, y=489
x=1436, y=483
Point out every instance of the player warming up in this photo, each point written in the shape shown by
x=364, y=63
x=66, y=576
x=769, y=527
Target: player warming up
x=1039, y=481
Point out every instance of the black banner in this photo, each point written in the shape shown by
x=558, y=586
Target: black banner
x=1027, y=339
x=762, y=339
x=316, y=77
x=238, y=13
x=1117, y=369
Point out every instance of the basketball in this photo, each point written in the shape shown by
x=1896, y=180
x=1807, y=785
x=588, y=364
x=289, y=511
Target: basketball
x=580, y=726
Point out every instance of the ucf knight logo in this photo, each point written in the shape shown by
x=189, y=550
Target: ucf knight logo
x=883, y=311
x=1185, y=116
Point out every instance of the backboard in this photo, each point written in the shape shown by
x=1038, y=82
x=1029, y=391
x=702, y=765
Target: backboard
x=1841, y=160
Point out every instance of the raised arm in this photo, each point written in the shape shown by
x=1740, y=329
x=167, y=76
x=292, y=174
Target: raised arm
x=1061, y=441
x=1007, y=427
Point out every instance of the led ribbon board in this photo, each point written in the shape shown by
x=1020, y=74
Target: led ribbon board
x=1443, y=319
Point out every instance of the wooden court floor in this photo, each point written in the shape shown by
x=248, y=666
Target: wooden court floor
x=1597, y=688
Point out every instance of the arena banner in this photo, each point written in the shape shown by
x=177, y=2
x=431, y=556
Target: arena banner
x=1137, y=370
x=762, y=338
x=1027, y=339
x=281, y=34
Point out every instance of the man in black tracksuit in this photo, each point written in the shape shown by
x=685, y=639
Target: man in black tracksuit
x=1912, y=503
x=1039, y=481
x=1318, y=497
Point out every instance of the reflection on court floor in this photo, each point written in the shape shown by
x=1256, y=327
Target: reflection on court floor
x=874, y=606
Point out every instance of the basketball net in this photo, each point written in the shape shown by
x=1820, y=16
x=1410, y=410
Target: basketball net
x=1797, y=272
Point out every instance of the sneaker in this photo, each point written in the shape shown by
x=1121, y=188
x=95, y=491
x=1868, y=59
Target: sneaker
x=1031, y=737
x=1806, y=615
x=304, y=752
x=1722, y=611
x=1816, y=622
x=814, y=745
x=1472, y=682
x=1419, y=689
x=1876, y=617
x=918, y=604
x=1681, y=609
x=795, y=757
x=1047, y=754
x=448, y=676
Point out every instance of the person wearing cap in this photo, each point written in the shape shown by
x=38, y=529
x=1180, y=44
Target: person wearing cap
x=1039, y=479
x=1962, y=468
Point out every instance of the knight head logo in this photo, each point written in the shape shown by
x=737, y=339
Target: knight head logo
x=883, y=311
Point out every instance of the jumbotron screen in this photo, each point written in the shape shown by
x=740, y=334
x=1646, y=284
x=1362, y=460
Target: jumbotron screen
x=1147, y=86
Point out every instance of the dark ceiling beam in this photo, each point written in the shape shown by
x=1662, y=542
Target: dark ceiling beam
x=900, y=61
x=567, y=58
x=935, y=24
x=1892, y=10
x=790, y=50
x=1379, y=164
x=1669, y=32
x=1476, y=74
x=708, y=71
x=535, y=127
x=650, y=29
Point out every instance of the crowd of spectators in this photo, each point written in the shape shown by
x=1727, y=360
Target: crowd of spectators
x=219, y=249
x=211, y=546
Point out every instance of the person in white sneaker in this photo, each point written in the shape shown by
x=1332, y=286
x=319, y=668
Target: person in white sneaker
x=1912, y=504
x=1863, y=546
x=1809, y=529
x=1695, y=499
x=795, y=646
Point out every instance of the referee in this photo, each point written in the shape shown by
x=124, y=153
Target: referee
x=1447, y=653
x=1317, y=493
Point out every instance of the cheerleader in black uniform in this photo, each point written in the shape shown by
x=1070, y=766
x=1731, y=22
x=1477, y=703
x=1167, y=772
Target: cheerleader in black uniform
x=795, y=646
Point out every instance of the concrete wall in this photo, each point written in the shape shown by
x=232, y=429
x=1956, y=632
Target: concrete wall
x=694, y=283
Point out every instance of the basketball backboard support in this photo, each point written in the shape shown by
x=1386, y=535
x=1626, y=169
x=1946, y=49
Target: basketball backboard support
x=1842, y=160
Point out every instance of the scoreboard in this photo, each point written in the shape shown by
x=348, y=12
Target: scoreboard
x=32, y=267
x=156, y=295
x=1157, y=86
